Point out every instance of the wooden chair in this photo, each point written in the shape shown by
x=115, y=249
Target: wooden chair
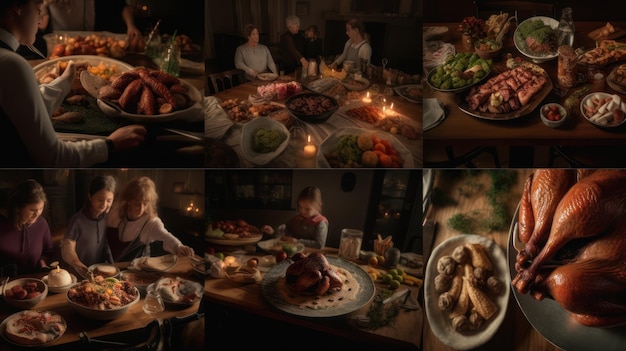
x=224, y=80
x=524, y=8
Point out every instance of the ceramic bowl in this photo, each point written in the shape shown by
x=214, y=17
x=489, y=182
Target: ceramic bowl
x=25, y=304
x=98, y=314
x=487, y=48
x=544, y=115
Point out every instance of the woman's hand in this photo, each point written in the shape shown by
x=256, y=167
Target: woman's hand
x=289, y=239
x=70, y=72
x=128, y=137
x=185, y=251
x=305, y=62
x=80, y=268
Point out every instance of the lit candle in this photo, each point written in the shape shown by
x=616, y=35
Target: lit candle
x=309, y=149
x=367, y=99
x=389, y=112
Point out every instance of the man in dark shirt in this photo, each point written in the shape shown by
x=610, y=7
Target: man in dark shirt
x=292, y=46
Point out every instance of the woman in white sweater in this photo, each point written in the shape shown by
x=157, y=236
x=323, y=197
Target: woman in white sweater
x=252, y=57
x=134, y=224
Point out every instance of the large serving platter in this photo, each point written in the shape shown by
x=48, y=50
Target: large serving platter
x=3, y=331
x=525, y=110
x=439, y=321
x=365, y=295
x=556, y=324
x=521, y=45
x=455, y=90
x=92, y=60
x=234, y=242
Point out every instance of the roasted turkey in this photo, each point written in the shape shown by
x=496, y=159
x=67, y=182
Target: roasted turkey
x=312, y=274
x=587, y=234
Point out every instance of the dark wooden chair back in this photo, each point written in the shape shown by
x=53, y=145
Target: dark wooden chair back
x=224, y=80
x=525, y=8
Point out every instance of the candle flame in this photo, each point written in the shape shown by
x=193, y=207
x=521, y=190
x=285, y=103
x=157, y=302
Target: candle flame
x=368, y=94
x=308, y=140
x=391, y=108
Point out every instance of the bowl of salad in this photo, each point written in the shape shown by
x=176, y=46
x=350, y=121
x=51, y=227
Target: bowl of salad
x=537, y=38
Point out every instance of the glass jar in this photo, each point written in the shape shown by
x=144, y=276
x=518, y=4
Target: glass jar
x=153, y=303
x=350, y=243
x=566, y=71
x=565, y=29
x=170, y=60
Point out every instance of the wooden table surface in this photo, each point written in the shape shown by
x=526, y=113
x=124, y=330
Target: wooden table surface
x=460, y=129
x=401, y=106
x=515, y=333
x=135, y=318
x=404, y=334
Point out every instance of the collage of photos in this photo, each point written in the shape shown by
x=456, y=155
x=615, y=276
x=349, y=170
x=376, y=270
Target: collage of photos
x=183, y=175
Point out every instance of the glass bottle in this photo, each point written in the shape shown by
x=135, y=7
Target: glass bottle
x=565, y=29
x=170, y=60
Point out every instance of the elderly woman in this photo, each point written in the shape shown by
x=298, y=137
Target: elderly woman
x=25, y=106
x=252, y=57
x=292, y=44
x=357, y=47
x=25, y=239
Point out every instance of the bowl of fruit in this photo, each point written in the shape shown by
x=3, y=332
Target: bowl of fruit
x=488, y=48
x=553, y=115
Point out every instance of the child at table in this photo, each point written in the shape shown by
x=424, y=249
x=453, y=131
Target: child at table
x=309, y=227
x=85, y=241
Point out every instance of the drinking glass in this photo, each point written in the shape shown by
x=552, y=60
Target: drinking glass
x=153, y=303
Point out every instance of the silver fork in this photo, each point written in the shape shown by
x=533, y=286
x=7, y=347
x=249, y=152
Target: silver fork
x=36, y=51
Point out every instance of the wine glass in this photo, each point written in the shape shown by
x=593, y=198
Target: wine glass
x=153, y=303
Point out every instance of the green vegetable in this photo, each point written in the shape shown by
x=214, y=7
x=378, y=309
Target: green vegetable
x=348, y=149
x=266, y=140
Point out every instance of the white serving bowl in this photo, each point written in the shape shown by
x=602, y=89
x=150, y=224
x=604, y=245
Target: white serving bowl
x=521, y=46
x=611, y=123
x=98, y=314
x=247, y=140
x=549, y=123
x=25, y=304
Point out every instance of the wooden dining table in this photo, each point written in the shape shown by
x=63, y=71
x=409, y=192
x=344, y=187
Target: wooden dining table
x=523, y=134
x=293, y=156
x=162, y=147
x=460, y=192
x=134, y=319
x=403, y=333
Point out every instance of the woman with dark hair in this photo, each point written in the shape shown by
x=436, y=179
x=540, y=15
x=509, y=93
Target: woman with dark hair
x=26, y=106
x=252, y=57
x=134, y=224
x=313, y=48
x=85, y=241
x=357, y=47
x=25, y=239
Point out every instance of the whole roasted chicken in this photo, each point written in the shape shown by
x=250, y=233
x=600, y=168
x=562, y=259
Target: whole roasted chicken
x=312, y=275
x=585, y=241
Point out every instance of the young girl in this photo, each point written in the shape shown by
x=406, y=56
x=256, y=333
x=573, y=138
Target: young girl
x=308, y=227
x=85, y=242
x=134, y=224
x=25, y=239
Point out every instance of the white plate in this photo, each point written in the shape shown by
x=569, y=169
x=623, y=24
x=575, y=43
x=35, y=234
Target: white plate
x=433, y=115
x=3, y=329
x=611, y=123
x=93, y=267
x=521, y=46
x=267, y=76
x=268, y=245
x=247, y=137
x=322, y=84
x=400, y=90
x=356, y=87
x=59, y=289
x=330, y=143
x=192, y=113
x=555, y=323
x=47, y=66
x=188, y=287
x=234, y=242
x=366, y=292
x=439, y=321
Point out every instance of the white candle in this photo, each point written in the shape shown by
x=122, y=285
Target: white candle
x=389, y=112
x=309, y=149
x=367, y=98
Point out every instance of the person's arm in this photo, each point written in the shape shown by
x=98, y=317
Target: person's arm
x=293, y=51
x=341, y=57
x=321, y=232
x=365, y=52
x=155, y=231
x=68, y=254
x=240, y=64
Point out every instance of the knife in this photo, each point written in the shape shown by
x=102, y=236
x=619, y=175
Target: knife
x=191, y=135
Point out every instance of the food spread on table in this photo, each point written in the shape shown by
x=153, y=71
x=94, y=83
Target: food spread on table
x=31, y=327
x=103, y=293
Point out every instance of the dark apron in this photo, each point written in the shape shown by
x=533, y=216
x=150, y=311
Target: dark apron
x=125, y=251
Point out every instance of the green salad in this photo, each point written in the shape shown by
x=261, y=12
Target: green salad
x=460, y=70
x=266, y=140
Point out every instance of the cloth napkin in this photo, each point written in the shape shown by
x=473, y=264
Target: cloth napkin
x=216, y=120
x=433, y=113
x=158, y=263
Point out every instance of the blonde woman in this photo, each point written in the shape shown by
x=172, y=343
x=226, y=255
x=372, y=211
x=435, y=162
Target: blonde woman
x=134, y=223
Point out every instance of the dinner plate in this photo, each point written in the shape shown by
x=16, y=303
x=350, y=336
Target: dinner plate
x=247, y=140
x=234, y=242
x=329, y=145
x=93, y=267
x=269, y=245
x=93, y=60
x=322, y=84
x=433, y=115
x=555, y=323
x=525, y=110
x=186, y=288
x=357, y=86
x=521, y=45
x=267, y=76
x=3, y=329
x=405, y=92
x=611, y=124
x=364, y=296
x=59, y=289
x=192, y=113
x=439, y=321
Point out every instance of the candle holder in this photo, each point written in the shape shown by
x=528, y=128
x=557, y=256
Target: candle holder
x=310, y=150
x=367, y=98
